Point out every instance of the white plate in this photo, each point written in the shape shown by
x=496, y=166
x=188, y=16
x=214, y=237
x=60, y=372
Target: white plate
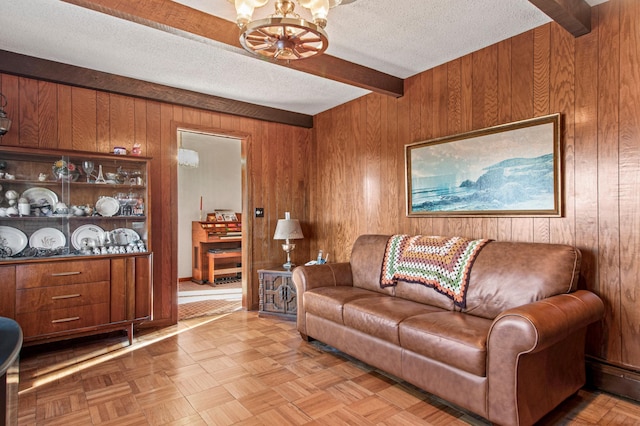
x=47, y=238
x=85, y=231
x=107, y=206
x=130, y=236
x=13, y=238
x=37, y=195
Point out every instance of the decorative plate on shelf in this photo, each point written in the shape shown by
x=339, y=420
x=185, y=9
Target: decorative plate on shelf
x=40, y=196
x=107, y=206
x=47, y=238
x=12, y=238
x=85, y=231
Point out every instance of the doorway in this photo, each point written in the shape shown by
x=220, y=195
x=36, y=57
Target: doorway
x=215, y=183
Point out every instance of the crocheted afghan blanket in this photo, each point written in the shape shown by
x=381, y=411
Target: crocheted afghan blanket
x=441, y=263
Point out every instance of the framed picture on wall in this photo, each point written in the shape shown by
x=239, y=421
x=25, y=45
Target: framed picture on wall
x=514, y=169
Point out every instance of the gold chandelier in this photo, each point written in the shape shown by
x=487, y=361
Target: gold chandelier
x=284, y=35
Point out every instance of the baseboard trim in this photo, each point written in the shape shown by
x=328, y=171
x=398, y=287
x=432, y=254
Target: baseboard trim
x=612, y=378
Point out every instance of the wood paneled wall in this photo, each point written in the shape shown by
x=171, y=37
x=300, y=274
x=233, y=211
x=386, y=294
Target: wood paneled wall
x=594, y=81
x=346, y=176
x=276, y=157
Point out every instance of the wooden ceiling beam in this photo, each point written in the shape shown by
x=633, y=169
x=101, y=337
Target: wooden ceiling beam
x=176, y=18
x=573, y=15
x=42, y=69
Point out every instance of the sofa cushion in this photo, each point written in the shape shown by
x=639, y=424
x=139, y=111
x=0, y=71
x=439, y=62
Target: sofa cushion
x=366, y=263
x=380, y=316
x=506, y=275
x=328, y=302
x=452, y=338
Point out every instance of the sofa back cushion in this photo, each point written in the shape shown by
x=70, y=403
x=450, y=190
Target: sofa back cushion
x=510, y=274
x=503, y=276
x=366, y=262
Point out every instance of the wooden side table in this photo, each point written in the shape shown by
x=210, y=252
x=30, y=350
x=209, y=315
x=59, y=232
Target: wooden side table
x=277, y=293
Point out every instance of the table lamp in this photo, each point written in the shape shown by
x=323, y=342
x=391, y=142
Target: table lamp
x=288, y=229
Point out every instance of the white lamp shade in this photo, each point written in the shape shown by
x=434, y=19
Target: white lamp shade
x=288, y=229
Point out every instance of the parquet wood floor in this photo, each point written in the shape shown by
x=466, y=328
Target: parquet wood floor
x=244, y=370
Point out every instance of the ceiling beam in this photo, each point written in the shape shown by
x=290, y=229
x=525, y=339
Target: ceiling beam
x=573, y=15
x=178, y=19
x=42, y=69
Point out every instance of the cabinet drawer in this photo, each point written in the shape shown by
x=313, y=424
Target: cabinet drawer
x=57, y=320
x=62, y=273
x=48, y=298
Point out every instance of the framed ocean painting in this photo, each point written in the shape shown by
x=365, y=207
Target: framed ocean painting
x=512, y=169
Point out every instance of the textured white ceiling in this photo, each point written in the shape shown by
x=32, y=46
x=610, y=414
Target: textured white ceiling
x=401, y=38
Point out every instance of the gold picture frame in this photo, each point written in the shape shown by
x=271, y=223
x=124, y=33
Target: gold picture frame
x=513, y=169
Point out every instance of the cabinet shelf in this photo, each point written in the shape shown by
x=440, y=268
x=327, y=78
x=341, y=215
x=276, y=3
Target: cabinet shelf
x=89, y=218
x=53, y=183
x=70, y=217
x=39, y=259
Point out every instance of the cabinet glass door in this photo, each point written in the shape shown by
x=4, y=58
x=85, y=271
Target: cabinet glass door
x=57, y=203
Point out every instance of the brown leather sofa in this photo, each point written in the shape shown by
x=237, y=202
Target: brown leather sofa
x=511, y=355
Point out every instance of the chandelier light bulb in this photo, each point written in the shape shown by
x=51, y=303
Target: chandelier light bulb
x=319, y=10
x=244, y=10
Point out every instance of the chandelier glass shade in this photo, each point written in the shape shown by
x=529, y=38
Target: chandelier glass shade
x=188, y=158
x=284, y=35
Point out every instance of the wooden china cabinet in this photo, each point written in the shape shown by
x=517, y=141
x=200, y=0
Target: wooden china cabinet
x=75, y=242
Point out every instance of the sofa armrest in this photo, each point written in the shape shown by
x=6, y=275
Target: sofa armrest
x=545, y=322
x=534, y=345
x=309, y=277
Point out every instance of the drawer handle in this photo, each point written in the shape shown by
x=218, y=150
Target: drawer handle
x=65, y=274
x=65, y=320
x=65, y=296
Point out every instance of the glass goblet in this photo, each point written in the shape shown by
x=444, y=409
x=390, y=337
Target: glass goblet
x=122, y=198
x=88, y=166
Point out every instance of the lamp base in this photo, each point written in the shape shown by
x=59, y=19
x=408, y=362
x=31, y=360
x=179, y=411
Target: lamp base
x=288, y=248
